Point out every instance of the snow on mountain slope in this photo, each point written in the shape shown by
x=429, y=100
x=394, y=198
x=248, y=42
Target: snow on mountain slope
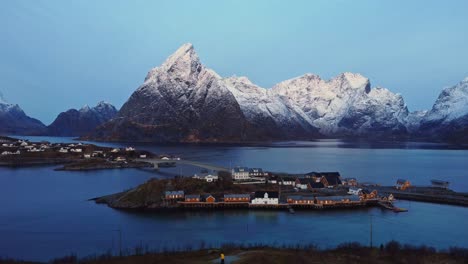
x=256, y=103
x=451, y=104
x=346, y=104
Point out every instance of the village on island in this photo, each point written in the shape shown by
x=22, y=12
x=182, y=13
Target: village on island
x=315, y=190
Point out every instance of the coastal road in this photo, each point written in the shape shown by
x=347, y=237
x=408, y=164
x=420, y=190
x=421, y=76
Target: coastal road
x=185, y=162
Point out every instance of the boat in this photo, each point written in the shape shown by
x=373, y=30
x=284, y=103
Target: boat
x=399, y=210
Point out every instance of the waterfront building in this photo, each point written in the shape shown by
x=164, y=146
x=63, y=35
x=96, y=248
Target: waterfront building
x=236, y=198
x=323, y=200
x=402, y=184
x=192, y=198
x=174, y=194
x=354, y=190
x=240, y=173
x=265, y=197
x=208, y=198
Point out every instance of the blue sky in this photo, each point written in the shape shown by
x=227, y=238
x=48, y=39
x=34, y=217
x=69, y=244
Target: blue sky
x=57, y=55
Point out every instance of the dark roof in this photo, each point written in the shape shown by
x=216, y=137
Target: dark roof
x=299, y=197
x=317, y=185
x=241, y=169
x=338, y=198
x=305, y=180
x=241, y=195
x=205, y=196
x=311, y=182
x=333, y=178
x=174, y=192
x=192, y=196
x=256, y=170
x=261, y=194
x=288, y=178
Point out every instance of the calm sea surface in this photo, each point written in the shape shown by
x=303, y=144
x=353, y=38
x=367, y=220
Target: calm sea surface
x=45, y=213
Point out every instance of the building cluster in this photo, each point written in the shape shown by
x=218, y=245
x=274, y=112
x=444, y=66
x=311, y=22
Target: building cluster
x=266, y=198
x=248, y=174
x=86, y=151
x=259, y=197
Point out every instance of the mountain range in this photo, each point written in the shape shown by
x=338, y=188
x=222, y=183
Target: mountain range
x=13, y=120
x=184, y=101
x=81, y=122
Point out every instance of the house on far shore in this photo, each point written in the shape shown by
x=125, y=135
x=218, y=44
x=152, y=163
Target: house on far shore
x=402, y=184
x=287, y=180
x=350, y=182
x=265, y=197
x=273, y=179
x=240, y=173
x=192, y=198
x=237, y=198
x=174, y=194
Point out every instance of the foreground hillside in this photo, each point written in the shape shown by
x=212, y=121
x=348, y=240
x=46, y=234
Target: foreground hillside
x=351, y=253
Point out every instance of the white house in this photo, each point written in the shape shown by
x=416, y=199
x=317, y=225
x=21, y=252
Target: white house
x=78, y=150
x=206, y=176
x=240, y=173
x=115, y=150
x=129, y=149
x=264, y=197
x=354, y=190
x=63, y=150
x=87, y=156
x=143, y=156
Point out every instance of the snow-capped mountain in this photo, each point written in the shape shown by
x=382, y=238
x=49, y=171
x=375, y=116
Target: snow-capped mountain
x=448, y=118
x=184, y=101
x=346, y=105
x=80, y=122
x=13, y=120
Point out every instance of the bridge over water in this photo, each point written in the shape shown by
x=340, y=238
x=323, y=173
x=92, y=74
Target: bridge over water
x=156, y=163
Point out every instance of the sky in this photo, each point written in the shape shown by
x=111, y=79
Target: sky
x=57, y=55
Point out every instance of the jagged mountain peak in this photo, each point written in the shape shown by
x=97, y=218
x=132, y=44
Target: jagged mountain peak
x=183, y=63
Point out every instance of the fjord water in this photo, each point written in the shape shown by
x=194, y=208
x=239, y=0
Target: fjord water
x=45, y=213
